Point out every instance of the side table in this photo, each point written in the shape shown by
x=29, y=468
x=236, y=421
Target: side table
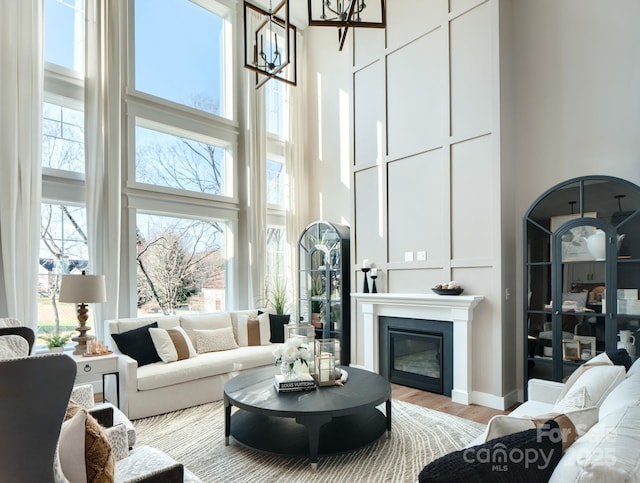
x=91, y=367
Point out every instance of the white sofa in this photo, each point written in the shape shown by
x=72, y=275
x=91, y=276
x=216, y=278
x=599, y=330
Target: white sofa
x=610, y=449
x=164, y=387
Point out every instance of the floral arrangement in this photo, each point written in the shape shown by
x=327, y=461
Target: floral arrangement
x=292, y=353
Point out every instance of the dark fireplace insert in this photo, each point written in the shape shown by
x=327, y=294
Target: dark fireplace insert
x=417, y=353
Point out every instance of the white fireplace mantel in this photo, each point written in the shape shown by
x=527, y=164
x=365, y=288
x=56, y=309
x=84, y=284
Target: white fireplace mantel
x=457, y=309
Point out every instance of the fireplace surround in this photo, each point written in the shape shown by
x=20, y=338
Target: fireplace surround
x=457, y=310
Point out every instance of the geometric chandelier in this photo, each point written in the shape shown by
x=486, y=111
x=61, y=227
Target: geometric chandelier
x=346, y=13
x=270, y=43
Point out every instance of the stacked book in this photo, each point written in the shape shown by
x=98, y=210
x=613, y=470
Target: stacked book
x=304, y=382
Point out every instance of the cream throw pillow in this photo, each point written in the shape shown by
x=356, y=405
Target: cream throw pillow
x=172, y=344
x=215, y=340
x=573, y=401
x=216, y=320
x=600, y=360
x=71, y=448
x=599, y=381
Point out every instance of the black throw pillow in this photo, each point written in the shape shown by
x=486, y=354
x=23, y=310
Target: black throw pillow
x=620, y=357
x=277, y=323
x=526, y=457
x=138, y=344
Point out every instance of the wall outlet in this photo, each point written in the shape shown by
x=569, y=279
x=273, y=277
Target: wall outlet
x=408, y=256
x=422, y=255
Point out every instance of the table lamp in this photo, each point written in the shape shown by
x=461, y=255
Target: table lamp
x=82, y=290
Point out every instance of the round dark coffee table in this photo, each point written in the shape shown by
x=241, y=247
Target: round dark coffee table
x=327, y=420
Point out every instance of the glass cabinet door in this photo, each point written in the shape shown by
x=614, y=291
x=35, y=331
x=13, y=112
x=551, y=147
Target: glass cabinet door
x=323, y=282
x=581, y=274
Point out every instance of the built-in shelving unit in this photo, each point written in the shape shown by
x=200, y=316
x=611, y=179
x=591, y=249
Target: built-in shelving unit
x=581, y=273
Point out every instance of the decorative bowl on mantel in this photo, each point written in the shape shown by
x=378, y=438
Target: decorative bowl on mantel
x=448, y=291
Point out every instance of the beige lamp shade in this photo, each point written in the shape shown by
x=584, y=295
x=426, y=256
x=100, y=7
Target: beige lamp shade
x=82, y=289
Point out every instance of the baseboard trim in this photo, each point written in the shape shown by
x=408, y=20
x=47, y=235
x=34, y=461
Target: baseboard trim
x=493, y=401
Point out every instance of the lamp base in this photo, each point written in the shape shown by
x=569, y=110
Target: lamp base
x=81, y=346
x=83, y=328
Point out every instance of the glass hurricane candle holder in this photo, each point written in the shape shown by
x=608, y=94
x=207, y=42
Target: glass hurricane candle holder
x=327, y=361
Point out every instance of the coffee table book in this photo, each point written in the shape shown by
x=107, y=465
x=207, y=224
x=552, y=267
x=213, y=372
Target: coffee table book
x=304, y=382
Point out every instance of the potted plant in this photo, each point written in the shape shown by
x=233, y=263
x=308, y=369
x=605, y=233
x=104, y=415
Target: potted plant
x=55, y=342
x=276, y=298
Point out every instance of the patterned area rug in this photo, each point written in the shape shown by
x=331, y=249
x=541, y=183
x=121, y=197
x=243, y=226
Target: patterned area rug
x=195, y=437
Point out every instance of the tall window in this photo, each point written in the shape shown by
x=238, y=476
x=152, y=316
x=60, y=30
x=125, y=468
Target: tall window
x=180, y=265
x=277, y=182
x=181, y=163
x=180, y=54
x=63, y=227
x=63, y=250
x=62, y=138
x=277, y=121
x=64, y=34
x=182, y=149
x=278, y=275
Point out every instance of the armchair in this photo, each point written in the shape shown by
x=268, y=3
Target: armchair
x=35, y=395
x=35, y=398
x=16, y=341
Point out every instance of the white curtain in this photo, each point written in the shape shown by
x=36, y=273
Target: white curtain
x=298, y=179
x=256, y=151
x=103, y=148
x=21, y=86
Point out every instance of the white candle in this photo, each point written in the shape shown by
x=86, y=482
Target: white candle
x=326, y=368
x=374, y=272
x=366, y=263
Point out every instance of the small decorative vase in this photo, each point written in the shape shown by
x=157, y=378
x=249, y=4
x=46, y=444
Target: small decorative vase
x=289, y=370
x=627, y=341
x=56, y=349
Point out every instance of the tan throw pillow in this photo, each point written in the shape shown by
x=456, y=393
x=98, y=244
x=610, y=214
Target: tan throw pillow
x=572, y=425
x=215, y=340
x=254, y=331
x=99, y=460
x=172, y=344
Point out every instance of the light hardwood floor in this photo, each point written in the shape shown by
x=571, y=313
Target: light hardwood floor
x=444, y=404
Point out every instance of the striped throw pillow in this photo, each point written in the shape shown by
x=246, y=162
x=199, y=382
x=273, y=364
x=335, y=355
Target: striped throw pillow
x=172, y=344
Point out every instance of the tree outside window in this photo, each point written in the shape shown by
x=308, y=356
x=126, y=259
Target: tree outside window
x=181, y=265
x=181, y=163
x=63, y=250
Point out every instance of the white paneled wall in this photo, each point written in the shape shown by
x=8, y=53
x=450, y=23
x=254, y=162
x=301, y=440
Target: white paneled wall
x=464, y=111
x=432, y=91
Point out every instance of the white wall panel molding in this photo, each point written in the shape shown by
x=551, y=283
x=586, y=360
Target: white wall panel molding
x=369, y=115
x=402, y=26
x=417, y=189
x=415, y=103
x=472, y=73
